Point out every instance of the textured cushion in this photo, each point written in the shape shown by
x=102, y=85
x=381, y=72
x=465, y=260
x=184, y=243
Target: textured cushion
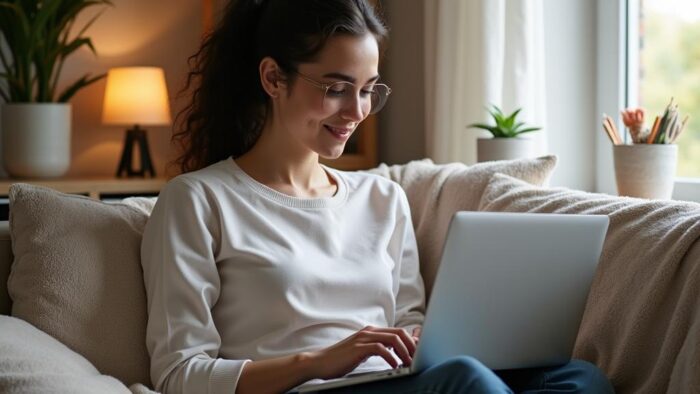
x=436, y=192
x=77, y=276
x=34, y=362
x=642, y=319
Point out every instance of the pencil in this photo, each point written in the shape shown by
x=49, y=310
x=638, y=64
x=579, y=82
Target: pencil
x=672, y=128
x=613, y=129
x=681, y=129
x=650, y=138
x=607, y=130
x=654, y=131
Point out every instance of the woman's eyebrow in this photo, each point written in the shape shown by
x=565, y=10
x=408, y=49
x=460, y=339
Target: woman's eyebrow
x=348, y=78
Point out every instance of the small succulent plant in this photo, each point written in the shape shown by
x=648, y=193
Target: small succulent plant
x=506, y=125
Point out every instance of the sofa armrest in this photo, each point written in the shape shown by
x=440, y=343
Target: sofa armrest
x=5, y=263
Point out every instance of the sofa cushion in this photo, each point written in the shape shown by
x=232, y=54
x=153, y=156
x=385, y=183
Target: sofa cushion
x=436, y=192
x=34, y=362
x=5, y=262
x=77, y=276
x=642, y=319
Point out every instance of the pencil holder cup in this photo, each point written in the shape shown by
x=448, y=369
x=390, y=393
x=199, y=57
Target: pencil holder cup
x=645, y=170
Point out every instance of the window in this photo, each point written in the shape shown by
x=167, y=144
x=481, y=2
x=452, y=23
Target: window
x=663, y=61
x=619, y=69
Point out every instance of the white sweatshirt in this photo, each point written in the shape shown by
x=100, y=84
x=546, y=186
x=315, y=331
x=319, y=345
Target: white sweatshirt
x=236, y=271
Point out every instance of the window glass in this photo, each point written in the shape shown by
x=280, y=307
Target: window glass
x=669, y=66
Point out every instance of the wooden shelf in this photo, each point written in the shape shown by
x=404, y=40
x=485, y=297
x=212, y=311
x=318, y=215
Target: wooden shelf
x=94, y=187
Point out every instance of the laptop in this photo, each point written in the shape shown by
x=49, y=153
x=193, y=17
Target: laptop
x=510, y=292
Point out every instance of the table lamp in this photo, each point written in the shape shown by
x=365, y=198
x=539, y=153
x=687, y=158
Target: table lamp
x=136, y=96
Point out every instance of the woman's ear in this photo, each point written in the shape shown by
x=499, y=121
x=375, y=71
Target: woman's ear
x=271, y=77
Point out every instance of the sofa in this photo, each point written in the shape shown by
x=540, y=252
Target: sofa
x=73, y=306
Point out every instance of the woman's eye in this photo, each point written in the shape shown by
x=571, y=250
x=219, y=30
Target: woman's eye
x=336, y=91
x=367, y=90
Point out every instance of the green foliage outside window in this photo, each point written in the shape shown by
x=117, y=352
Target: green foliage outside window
x=670, y=67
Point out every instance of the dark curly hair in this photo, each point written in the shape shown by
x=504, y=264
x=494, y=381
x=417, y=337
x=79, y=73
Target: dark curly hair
x=228, y=105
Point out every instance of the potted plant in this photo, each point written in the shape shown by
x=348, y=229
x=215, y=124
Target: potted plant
x=36, y=116
x=646, y=167
x=506, y=143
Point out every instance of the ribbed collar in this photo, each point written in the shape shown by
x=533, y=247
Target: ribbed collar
x=295, y=202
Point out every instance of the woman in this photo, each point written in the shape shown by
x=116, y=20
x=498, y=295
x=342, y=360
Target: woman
x=265, y=269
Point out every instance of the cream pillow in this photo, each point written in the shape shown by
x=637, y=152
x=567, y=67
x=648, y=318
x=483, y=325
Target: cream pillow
x=436, y=192
x=34, y=362
x=77, y=276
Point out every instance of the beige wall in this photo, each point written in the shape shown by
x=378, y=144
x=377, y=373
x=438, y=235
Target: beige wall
x=402, y=122
x=160, y=33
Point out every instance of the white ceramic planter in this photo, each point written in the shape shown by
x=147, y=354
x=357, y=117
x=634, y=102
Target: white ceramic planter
x=489, y=149
x=645, y=170
x=36, y=139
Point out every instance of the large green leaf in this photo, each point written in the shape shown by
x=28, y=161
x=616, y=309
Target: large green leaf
x=77, y=85
x=36, y=34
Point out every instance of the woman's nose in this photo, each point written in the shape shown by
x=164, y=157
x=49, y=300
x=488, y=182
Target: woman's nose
x=355, y=108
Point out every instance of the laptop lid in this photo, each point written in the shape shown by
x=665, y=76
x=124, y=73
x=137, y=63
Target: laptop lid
x=511, y=288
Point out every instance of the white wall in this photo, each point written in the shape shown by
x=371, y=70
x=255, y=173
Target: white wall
x=570, y=39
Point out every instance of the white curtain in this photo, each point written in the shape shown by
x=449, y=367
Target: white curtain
x=481, y=52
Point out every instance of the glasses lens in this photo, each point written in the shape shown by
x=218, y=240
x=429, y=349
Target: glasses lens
x=341, y=94
x=337, y=95
x=380, y=93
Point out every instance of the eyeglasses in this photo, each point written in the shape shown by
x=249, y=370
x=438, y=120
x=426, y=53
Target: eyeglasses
x=339, y=94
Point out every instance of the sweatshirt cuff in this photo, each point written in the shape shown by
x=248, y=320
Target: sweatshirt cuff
x=224, y=376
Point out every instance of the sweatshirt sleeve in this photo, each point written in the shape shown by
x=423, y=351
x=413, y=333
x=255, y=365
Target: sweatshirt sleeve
x=408, y=283
x=182, y=285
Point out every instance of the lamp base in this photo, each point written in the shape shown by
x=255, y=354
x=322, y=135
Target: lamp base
x=135, y=135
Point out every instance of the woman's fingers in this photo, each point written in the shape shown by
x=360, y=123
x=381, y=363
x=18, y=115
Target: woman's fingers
x=395, y=342
x=417, y=331
x=398, y=339
x=346, y=355
x=377, y=349
x=400, y=332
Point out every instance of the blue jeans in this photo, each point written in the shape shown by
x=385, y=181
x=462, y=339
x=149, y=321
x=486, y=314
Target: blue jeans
x=467, y=375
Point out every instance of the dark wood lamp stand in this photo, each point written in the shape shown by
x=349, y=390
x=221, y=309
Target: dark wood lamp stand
x=136, y=136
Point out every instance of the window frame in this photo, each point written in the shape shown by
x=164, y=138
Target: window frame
x=617, y=43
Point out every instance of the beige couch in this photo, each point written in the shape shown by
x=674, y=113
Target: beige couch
x=79, y=315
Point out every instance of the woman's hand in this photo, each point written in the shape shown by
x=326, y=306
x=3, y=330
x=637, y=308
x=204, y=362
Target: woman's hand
x=341, y=358
x=416, y=333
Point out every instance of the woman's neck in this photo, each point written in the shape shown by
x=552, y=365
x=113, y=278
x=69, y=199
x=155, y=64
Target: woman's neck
x=275, y=165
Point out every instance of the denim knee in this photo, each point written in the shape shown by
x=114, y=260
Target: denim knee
x=585, y=378
x=463, y=374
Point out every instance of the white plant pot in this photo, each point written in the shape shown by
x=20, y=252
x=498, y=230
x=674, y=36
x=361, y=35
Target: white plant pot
x=645, y=171
x=36, y=139
x=490, y=149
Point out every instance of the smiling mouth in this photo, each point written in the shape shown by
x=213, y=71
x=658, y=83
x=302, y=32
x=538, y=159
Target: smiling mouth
x=342, y=133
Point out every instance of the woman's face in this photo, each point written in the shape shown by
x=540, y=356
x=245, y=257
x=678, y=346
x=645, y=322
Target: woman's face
x=320, y=118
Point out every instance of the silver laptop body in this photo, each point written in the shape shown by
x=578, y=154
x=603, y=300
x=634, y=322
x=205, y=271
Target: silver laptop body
x=510, y=292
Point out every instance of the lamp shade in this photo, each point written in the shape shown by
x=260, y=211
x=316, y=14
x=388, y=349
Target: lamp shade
x=136, y=95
